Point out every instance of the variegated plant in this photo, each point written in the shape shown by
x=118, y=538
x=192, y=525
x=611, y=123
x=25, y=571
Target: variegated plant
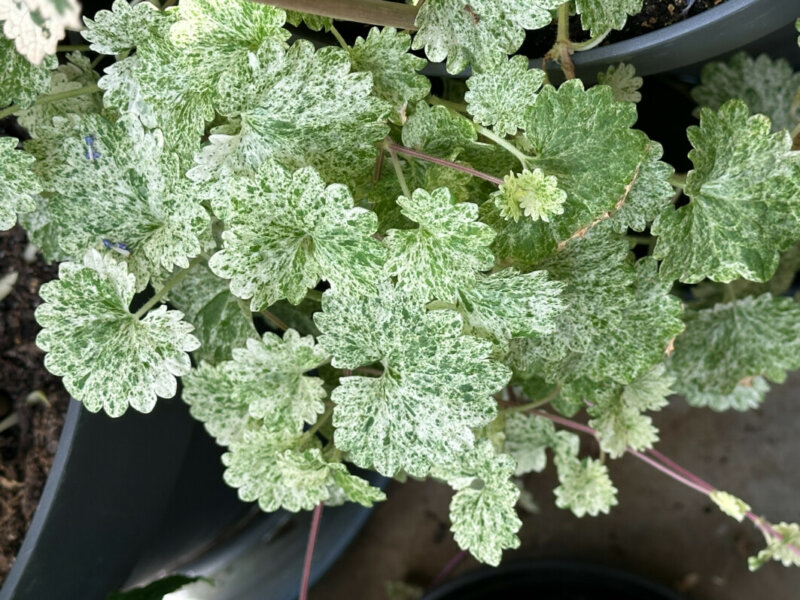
x=345, y=269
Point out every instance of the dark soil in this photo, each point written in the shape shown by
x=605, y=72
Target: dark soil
x=655, y=14
x=26, y=449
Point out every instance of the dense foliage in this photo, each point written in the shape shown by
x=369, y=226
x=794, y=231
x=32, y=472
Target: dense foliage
x=346, y=269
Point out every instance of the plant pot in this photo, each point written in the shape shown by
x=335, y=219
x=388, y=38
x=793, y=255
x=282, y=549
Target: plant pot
x=108, y=487
x=754, y=25
x=553, y=580
x=208, y=531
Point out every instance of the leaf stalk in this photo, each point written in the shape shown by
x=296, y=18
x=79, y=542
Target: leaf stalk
x=50, y=98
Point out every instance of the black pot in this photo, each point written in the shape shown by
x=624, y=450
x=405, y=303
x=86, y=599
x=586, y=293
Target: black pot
x=108, y=488
x=550, y=580
x=208, y=531
x=754, y=25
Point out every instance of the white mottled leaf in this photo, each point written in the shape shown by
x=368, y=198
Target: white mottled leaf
x=784, y=547
x=395, y=79
x=500, y=98
x=527, y=439
x=18, y=183
x=36, y=26
x=767, y=86
x=108, y=358
x=623, y=81
x=533, y=193
x=436, y=386
x=20, y=81
x=479, y=32
x=438, y=130
x=598, y=16
x=288, y=231
x=732, y=506
x=482, y=513
x=744, y=203
x=725, y=351
x=584, y=486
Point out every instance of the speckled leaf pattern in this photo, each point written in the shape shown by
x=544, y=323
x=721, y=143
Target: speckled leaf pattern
x=76, y=73
x=107, y=357
x=619, y=318
x=618, y=412
x=187, y=62
x=478, y=33
x=527, y=439
x=584, y=487
x=20, y=81
x=767, y=86
x=122, y=186
x=267, y=379
x=384, y=53
x=437, y=130
x=304, y=108
x=531, y=193
x=744, y=204
x=500, y=98
x=220, y=320
x=435, y=389
x=482, y=512
x=584, y=139
x=445, y=253
x=734, y=507
x=36, y=26
x=125, y=27
x=510, y=304
x=598, y=16
x=735, y=344
x=18, y=183
x=313, y=22
x=623, y=82
x=209, y=392
x=778, y=548
x=275, y=472
x=287, y=231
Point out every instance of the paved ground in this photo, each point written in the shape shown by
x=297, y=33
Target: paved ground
x=660, y=529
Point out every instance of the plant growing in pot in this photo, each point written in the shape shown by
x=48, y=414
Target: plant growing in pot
x=348, y=270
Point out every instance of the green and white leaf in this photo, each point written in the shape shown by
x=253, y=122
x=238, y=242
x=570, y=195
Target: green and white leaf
x=110, y=359
x=623, y=81
x=480, y=33
x=132, y=193
x=618, y=412
x=584, y=487
x=395, y=77
x=20, y=81
x=438, y=130
x=533, y=193
x=188, y=61
x=584, y=139
x=767, y=86
x=76, y=73
x=287, y=231
x=127, y=26
x=274, y=471
x=18, y=182
x=436, y=387
x=527, y=439
x=598, y=16
x=304, y=108
x=725, y=351
x=784, y=547
x=313, y=22
x=36, y=26
x=210, y=394
x=445, y=253
x=220, y=321
x=510, y=304
x=744, y=204
x=482, y=511
x=732, y=506
x=500, y=98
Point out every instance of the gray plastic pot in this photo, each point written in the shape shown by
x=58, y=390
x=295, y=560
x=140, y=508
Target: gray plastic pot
x=755, y=25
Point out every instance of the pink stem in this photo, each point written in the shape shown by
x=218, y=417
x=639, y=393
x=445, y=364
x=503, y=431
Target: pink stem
x=448, y=568
x=687, y=478
x=676, y=467
x=312, y=540
x=445, y=163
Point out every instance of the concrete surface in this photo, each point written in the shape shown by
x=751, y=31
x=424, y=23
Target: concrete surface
x=660, y=529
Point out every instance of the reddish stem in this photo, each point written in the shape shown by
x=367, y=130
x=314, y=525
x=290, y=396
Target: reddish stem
x=445, y=163
x=448, y=568
x=676, y=467
x=312, y=540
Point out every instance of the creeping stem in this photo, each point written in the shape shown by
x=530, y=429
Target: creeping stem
x=391, y=146
x=50, y=98
x=504, y=144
